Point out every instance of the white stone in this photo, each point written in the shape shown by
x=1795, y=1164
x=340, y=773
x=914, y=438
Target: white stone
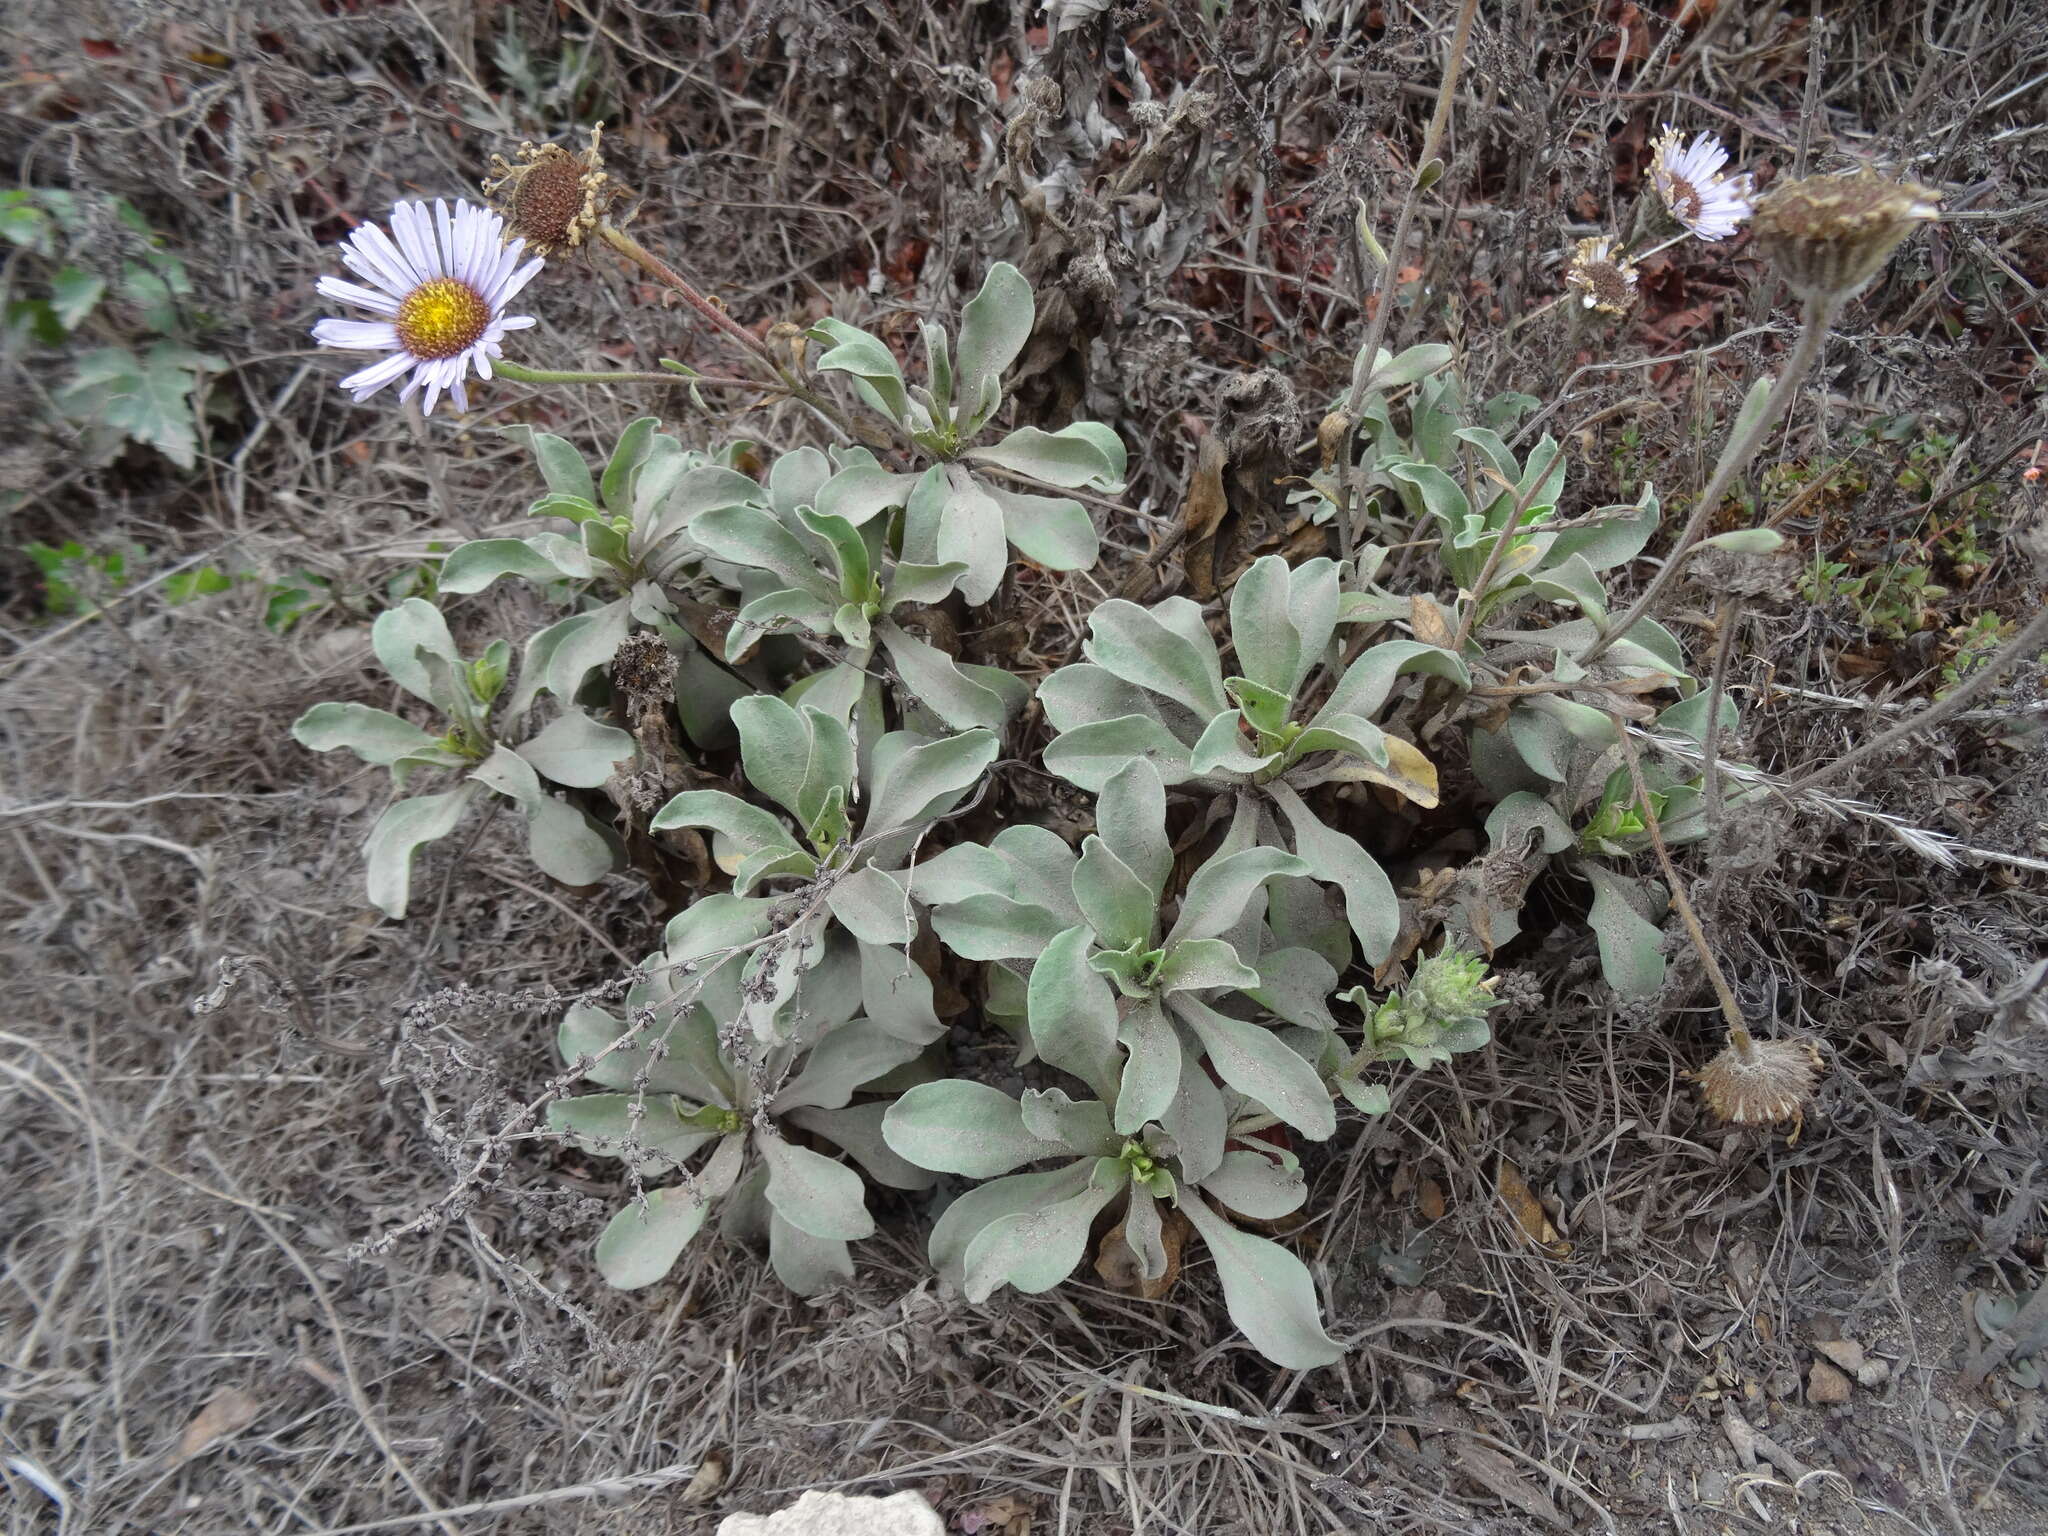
x=835, y=1514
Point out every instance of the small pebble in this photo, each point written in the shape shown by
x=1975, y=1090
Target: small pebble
x=1825, y=1384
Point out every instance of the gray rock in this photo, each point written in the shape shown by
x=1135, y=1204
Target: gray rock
x=835, y=1514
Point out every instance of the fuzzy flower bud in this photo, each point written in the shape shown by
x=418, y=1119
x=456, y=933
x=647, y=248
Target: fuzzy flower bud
x=1829, y=235
x=1442, y=1010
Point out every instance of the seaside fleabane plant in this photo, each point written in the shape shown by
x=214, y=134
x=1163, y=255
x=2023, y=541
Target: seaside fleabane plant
x=573, y=750
x=685, y=1075
x=1188, y=983
x=1689, y=183
x=439, y=284
x=1031, y=1230
x=855, y=825
x=1153, y=688
x=811, y=556
x=966, y=508
x=629, y=524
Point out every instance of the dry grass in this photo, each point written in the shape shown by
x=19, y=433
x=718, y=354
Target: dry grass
x=181, y=1190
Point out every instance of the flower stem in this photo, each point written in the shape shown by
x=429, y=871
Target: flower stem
x=1383, y=309
x=1738, y=1031
x=1820, y=312
x=676, y=283
x=732, y=330
x=522, y=374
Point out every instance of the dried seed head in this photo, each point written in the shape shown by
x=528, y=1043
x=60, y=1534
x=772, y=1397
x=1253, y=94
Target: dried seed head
x=1829, y=235
x=1771, y=1082
x=1605, y=279
x=551, y=198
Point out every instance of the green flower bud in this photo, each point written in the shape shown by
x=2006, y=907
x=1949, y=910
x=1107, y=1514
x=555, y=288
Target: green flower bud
x=488, y=672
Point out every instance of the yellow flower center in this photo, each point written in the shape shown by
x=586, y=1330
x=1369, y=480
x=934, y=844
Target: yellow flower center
x=441, y=317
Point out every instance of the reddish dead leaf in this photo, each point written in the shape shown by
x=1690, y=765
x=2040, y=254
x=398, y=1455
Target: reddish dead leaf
x=99, y=48
x=1682, y=321
x=1117, y=1263
x=1631, y=39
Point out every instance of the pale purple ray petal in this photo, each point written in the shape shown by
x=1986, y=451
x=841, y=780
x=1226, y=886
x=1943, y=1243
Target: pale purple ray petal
x=355, y=293
x=406, y=221
x=372, y=255
x=444, y=237
x=509, y=289
x=368, y=381
x=357, y=335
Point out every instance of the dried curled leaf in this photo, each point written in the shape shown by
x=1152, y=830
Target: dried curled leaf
x=227, y=1412
x=1119, y=1268
x=1530, y=1217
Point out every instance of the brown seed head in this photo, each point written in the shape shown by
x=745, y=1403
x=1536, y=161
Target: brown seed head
x=1771, y=1082
x=551, y=198
x=1604, y=278
x=1829, y=235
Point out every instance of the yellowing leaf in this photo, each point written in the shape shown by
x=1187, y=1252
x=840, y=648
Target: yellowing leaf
x=1522, y=1204
x=1428, y=621
x=1408, y=773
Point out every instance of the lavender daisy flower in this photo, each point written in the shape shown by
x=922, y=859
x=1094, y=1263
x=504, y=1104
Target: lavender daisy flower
x=440, y=283
x=1689, y=181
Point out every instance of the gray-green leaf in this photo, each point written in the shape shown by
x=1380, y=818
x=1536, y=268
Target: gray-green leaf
x=577, y=751
x=1072, y=1014
x=1268, y=1291
x=956, y=1126
x=813, y=1193
x=387, y=853
x=1035, y=1250
x=994, y=325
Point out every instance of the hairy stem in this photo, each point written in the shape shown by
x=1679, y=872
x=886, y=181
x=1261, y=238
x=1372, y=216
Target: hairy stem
x=1738, y=1031
x=522, y=374
x=677, y=284
x=1812, y=335
x=1383, y=307
x=1729, y=618
x=732, y=330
